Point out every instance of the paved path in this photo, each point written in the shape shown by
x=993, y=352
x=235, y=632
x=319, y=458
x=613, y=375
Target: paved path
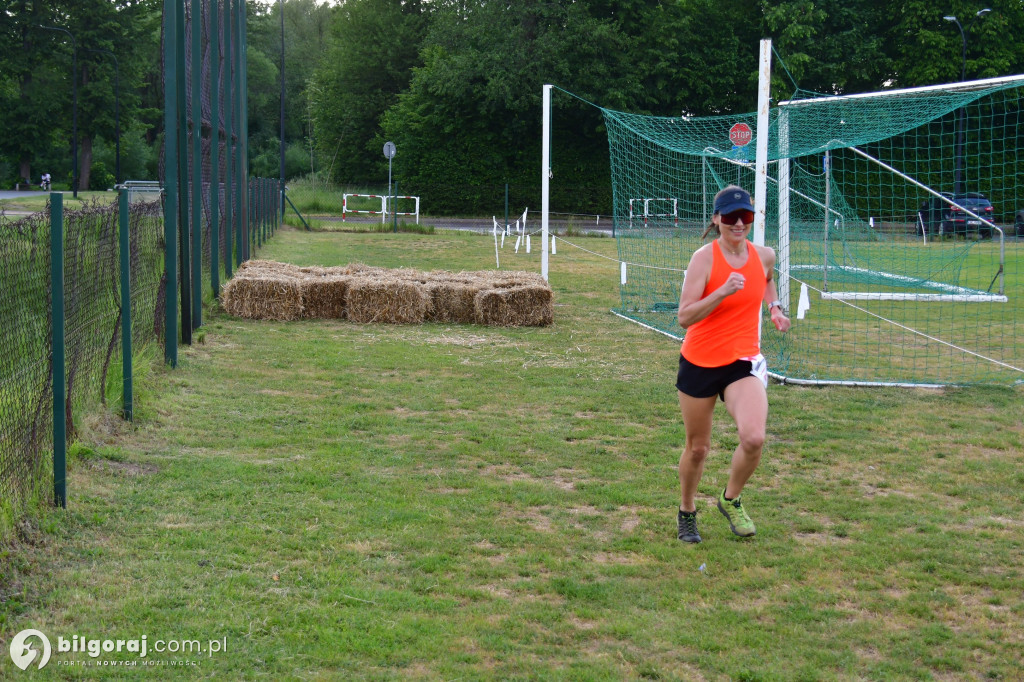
x=5, y=194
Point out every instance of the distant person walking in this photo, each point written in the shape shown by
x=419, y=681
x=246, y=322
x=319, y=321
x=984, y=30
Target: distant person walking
x=44, y=183
x=725, y=285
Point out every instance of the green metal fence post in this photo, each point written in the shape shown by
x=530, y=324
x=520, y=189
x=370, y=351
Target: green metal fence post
x=243, y=121
x=170, y=185
x=184, y=233
x=196, y=22
x=258, y=213
x=126, y=305
x=60, y=493
x=229, y=127
x=215, y=76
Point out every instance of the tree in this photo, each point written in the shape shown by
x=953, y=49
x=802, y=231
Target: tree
x=35, y=67
x=373, y=49
x=108, y=30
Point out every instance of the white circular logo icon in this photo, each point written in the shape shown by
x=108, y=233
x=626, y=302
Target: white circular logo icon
x=22, y=652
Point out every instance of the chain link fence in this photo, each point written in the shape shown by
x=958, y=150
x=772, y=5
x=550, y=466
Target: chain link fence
x=92, y=309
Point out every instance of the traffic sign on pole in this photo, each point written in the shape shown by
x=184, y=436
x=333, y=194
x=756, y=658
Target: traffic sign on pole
x=740, y=134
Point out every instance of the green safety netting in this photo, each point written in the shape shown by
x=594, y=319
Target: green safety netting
x=862, y=208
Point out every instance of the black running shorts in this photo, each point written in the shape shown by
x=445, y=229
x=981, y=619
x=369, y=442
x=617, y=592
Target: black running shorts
x=704, y=382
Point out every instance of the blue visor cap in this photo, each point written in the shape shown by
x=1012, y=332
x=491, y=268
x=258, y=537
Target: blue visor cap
x=733, y=200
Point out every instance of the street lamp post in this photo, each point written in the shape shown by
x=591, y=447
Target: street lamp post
x=74, y=107
x=117, y=109
x=958, y=161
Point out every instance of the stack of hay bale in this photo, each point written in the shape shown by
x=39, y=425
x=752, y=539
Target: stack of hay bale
x=269, y=290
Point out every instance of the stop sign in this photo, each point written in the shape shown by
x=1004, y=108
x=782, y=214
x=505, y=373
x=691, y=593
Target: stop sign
x=740, y=134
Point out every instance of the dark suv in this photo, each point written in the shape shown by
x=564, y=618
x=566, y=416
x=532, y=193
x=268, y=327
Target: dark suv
x=937, y=216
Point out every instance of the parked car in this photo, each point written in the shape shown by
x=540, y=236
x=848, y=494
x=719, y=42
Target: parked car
x=1018, y=223
x=937, y=216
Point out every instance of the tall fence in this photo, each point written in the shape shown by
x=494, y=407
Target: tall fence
x=94, y=282
x=211, y=218
x=92, y=321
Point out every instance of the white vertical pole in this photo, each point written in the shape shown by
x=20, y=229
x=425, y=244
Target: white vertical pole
x=545, y=179
x=782, y=255
x=761, y=160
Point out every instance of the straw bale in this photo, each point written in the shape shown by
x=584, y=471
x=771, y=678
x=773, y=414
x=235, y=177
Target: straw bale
x=517, y=306
x=508, y=279
x=270, y=267
x=314, y=271
x=386, y=299
x=324, y=297
x=408, y=275
x=263, y=297
x=359, y=270
x=452, y=301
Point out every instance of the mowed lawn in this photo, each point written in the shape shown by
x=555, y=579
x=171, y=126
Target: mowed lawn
x=341, y=501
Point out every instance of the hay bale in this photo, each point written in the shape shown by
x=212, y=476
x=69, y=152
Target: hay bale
x=387, y=300
x=257, y=267
x=509, y=279
x=358, y=270
x=314, y=271
x=517, y=306
x=263, y=297
x=324, y=297
x=452, y=301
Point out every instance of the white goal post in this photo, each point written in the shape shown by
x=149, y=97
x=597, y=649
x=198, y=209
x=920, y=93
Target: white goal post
x=785, y=191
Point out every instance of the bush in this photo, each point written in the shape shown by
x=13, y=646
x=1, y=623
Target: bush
x=100, y=178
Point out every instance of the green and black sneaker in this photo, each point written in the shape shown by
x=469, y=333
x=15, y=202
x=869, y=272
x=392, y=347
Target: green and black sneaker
x=738, y=520
x=688, y=526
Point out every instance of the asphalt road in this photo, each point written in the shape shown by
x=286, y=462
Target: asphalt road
x=10, y=194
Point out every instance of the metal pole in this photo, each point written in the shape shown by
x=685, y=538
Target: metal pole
x=281, y=9
x=230, y=244
x=126, y=305
x=395, y=207
x=243, y=127
x=761, y=150
x=184, y=241
x=196, y=22
x=215, y=78
x=828, y=217
x=958, y=160
x=545, y=178
x=60, y=494
x=170, y=185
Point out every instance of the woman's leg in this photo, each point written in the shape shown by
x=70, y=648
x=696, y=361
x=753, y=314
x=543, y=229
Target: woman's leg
x=697, y=414
x=747, y=402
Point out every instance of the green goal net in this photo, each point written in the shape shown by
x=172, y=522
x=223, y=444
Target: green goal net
x=892, y=215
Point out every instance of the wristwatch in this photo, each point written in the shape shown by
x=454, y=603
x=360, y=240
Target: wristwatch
x=773, y=304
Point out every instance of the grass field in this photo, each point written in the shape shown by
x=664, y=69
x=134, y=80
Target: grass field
x=30, y=203
x=333, y=501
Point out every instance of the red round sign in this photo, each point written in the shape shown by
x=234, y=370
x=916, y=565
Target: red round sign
x=740, y=134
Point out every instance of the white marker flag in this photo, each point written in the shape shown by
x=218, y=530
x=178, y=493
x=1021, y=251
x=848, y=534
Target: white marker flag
x=805, y=302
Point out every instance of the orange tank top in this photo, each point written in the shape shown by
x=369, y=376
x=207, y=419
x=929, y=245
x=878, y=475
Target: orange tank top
x=732, y=330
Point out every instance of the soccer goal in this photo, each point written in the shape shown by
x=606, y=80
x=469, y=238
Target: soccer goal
x=891, y=214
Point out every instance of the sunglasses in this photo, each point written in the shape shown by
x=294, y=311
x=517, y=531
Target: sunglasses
x=732, y=218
